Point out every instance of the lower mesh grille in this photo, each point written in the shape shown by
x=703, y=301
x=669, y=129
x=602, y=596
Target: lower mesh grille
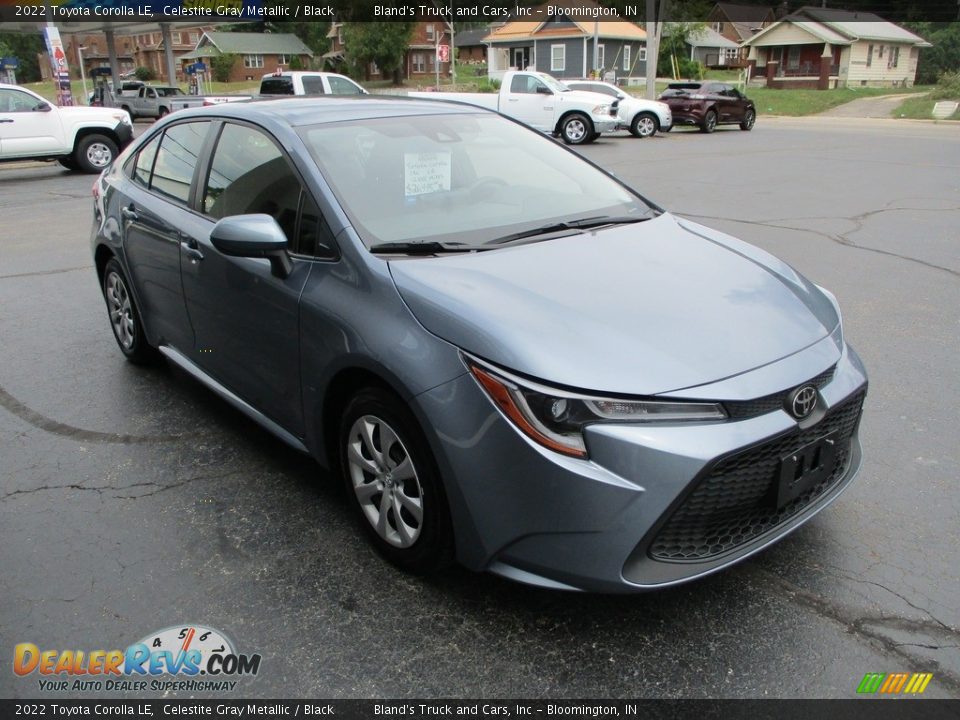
x=733, y=504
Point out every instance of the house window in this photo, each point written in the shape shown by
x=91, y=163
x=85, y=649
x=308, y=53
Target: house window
x=626, y=57
x=869, y=55
x=419, y=65
x=176, y=38
x=193, y=38
x=601, y=57
x=718, y=26
x=253, y=61
x=430, y=32
x=894, y=57
x=642, y=55
x=374, y=70
x=283, y=60
x=793, y=57
x=558, y=58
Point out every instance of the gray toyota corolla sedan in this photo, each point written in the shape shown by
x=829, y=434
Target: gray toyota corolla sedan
x=512, y=359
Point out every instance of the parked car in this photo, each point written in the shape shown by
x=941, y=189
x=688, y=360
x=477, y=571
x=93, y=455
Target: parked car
x=79, y=138
x=546, y=104
x=153, y=101
x=510, y=357
x=643, y=118
x=296, y=82
x=708, y=104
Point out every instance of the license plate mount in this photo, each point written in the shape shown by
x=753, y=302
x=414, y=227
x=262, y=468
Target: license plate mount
x=805, y=468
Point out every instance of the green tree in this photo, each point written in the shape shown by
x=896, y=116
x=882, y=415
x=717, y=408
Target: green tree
x=944, y=56
x=145, y=74
x=222, y=65
x=24, y=47
x=383, y=43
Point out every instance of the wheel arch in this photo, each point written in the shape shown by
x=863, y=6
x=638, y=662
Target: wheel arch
x=101, y=257
x=87, y=131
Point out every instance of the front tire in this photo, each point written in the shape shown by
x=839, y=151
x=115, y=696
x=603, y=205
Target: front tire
x=95, y=153
x=69, y=163
x=392, y=482
x=709, y=122
x=576, y=129
x=644, y=125
x=125, y=316
x=749, y=118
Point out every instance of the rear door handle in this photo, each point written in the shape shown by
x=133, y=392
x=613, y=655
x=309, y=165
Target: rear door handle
x=130, y=213
x=3, y=120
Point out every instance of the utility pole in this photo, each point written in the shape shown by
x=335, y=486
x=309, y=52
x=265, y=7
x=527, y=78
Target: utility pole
x=596, y=46
x=83, y=75
x=652, y=50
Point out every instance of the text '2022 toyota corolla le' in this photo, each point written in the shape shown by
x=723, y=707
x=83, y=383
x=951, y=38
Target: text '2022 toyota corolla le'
x=513, y=360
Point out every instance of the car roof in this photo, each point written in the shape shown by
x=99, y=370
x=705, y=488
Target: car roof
x=312, y=110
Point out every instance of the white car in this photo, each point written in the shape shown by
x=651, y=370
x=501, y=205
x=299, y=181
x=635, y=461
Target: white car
x=79, y=138
x=642, y=117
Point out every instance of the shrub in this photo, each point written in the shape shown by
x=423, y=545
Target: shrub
x=486, y=85
x=145, y=74
x=222, y=65
x=948, y=87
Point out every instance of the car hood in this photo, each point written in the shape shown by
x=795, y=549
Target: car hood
x=640, y=309
x=83, y=113
x=585, y=96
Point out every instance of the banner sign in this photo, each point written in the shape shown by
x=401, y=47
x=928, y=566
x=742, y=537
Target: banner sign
x=60, y=71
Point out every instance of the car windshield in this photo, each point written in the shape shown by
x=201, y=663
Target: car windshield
x=465, y=179
x=552, y=83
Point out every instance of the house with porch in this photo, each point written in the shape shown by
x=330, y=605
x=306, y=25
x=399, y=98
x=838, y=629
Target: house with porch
x=826, y=48
x=256, y=53
x=419, y=59
x=564, y=47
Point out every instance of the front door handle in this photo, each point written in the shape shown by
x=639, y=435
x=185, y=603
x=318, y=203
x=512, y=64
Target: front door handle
x=130, y=213
x=3, y=120
x=191, y=248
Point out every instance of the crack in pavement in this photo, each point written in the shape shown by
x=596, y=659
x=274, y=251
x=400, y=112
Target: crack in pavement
x=100, y=489
x=871, y=628
x=41, y=422
x=45, y=272
x=841, y=239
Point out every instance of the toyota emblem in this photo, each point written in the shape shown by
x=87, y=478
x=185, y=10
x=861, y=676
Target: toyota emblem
x=802, y=401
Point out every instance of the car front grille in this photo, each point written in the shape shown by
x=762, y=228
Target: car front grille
x=740, y=410
x=734, y=503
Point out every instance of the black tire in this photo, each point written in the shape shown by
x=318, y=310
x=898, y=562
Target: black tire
x=69, y=163
x=666, y=129
x=160, y=113
x=125, y=316
x=594, y=137
x=419, y=545
x=749, y=118
x=94, y=153
x=709, y=122
x=644, y=125
x=576, y=129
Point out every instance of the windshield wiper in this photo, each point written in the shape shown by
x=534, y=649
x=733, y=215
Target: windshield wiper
x=581, y=224
x=421, y=248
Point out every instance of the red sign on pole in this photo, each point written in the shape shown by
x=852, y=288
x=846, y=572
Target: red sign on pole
x=443, y=53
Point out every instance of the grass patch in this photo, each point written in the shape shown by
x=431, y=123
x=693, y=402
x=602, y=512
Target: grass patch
x=919, y=108
x=810, y=102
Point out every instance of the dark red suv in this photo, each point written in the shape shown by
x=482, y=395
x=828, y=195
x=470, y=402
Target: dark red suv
x=708, y=104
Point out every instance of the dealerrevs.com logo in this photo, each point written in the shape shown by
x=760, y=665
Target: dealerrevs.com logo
x=185, y=657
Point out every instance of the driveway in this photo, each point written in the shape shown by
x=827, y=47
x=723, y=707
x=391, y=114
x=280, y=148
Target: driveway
x=869, y=107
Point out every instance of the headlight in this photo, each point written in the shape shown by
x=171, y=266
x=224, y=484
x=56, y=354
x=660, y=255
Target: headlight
x=601, y=110
x=122, y=117
x=555, y=418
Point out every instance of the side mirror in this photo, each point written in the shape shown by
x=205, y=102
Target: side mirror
x=42, y=107
x=544, y=90
x=253, y=236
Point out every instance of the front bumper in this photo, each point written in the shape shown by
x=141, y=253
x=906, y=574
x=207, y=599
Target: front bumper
x=124, y=133
x=541, y=518
x=604, y=123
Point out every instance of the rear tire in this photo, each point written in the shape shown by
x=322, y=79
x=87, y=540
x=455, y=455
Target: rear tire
x=709, y=122
x=576, y=129
x=125, y=316
x=644, y=125
x=393, y=483
x=163, y=111
x=94, y=153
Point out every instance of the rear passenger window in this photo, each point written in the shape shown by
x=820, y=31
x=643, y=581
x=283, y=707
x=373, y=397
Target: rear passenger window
x=249, y=174
x=342, y=86
x=312, y=85
x=177, y=159
x=144, y=164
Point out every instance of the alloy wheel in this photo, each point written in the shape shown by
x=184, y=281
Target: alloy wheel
x=121, y=311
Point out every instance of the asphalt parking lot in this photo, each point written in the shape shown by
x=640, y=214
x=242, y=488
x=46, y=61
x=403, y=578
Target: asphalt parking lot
x=132, y=500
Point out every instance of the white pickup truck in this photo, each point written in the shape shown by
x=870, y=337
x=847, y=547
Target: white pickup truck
x=546, y=104
x=79, y=138
x=303, y=82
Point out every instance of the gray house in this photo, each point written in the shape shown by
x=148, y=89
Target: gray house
x=564, y=47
